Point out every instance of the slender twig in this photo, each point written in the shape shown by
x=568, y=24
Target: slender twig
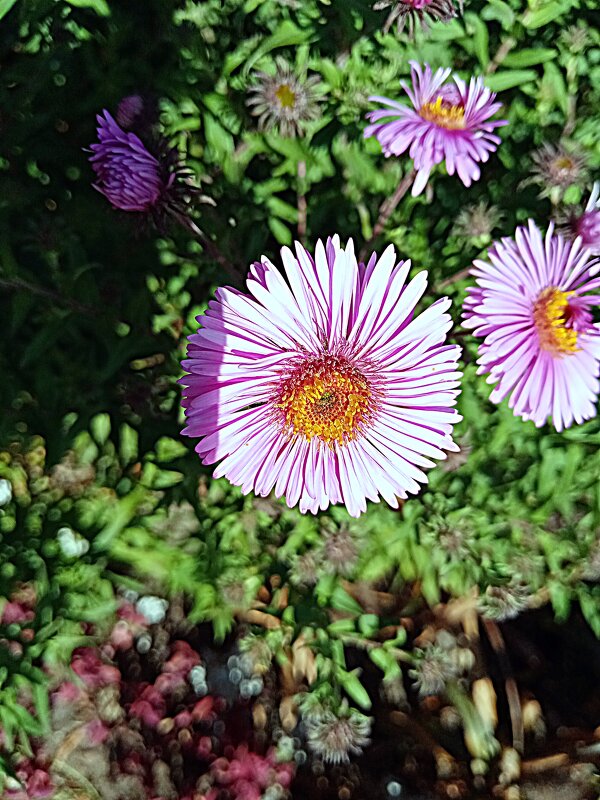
x=386, y=210
x=18, y=284
x=301, y=201
x=458, y=276
x=571, y=100
x=501, y=54
x=211, y=248
x=512, y=693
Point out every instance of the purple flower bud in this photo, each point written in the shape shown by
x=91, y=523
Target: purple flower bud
x=129, y=110
x=129, y=176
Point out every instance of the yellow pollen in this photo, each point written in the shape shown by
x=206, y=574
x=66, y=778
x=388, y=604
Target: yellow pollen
x=325, y=397
x=444, y=114
x=285, y=95
x=550, y=317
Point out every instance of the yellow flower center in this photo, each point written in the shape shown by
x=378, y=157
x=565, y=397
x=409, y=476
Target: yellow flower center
x=285, y=95
x=327, y=397
x=564, y=163
x=550, y=315
x=444, y=114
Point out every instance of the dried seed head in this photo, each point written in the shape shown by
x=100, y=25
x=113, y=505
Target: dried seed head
x=285, y=100
x=335, y=737
x=556, y=168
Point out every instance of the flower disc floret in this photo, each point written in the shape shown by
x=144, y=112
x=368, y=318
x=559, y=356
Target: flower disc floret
x=532, y=304
x=324, y=386
x=450, y=122
x=325, y=397
x=444, y=114
x=550, y=314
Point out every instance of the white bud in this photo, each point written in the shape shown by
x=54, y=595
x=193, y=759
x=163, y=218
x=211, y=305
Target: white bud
x=71, y=544
x=153, y=608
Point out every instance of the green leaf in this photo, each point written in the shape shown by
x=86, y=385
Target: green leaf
x=509, y=78
x=128, y=446
x=368, y=624
x=168, y=449
x=542, y=16
x=529, y=57
x=100, y=428
x=101, y=7
x=386, y=663
x=280, y=231
x=341, y=601
x=287, y=35
x=589, y=600
x=478, y=35
x=353, y=687
x=572, y=196
x=122, y=513
x=501, y=11
x=5, y=7
x=554, y=87
x=560, y=597
x=219, y=139
x=341, y=626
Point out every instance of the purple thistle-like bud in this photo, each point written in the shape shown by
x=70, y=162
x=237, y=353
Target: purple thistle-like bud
x=129, y=176
x=416, y=13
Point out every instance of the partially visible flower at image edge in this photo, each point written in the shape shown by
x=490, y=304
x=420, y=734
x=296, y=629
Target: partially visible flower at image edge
x=449, y=122
x=416, y=12
x=587, y=224
x=531, y=304
x=327, y=388
x=134, y=179
x=284, y=100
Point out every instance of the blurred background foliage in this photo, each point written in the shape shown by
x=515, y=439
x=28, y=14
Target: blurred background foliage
x=101, y=494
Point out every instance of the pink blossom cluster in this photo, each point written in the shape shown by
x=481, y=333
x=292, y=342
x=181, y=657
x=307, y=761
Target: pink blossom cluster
x=154, y=716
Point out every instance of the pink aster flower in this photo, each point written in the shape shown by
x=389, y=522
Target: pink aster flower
x=449, y=121
x=533, y=309
x=326, y=387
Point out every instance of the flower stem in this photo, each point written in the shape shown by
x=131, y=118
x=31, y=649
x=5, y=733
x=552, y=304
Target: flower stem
x=301, y=201
x=18, y=284
x=386, y=210
x=504, y=49
x=211, y=248
x=458, y=276
x=512, y=693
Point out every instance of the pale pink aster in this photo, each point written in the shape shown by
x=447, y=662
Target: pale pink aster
x=449, y=121
x=531, y=304
x=325, y=387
